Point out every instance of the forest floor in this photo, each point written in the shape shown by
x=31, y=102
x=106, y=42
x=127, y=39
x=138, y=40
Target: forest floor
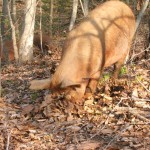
x=116, y=117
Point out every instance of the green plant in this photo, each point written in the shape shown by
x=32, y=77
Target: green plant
x=123, y=70
x=34, y=96
x=106, y=77
x=139, y=77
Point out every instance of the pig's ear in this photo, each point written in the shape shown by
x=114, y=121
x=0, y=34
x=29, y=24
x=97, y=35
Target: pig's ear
x=69, y=83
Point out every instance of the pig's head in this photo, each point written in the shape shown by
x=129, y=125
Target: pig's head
x=74, y=92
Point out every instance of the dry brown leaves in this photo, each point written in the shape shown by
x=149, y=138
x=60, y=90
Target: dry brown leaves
x=116, y=117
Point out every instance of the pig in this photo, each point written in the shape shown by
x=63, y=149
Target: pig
x=9, y=46
x=46, y=45
x=101, y=40
x=46, y=42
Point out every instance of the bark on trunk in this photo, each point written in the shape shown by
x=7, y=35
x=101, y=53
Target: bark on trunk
x=26, y=41
x=3, y=29
x=13, y=35
x=139, y=17
x=51, y=16
x=74, y=14
x=86, y=7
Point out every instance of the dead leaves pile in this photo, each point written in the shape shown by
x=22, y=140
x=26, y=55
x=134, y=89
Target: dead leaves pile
x=116, y=117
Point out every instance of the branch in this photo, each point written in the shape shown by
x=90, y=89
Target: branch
x=133, y=111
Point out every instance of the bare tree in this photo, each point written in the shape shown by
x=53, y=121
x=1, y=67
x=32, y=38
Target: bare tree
x=139, y=17
x=51, y=4
x=0, y=59
x=4, y=16
x=134, y=6
x=13, y=10
x=26, y=41
x=41, y=40
x=13, y=35
x=14, y=16
x=82, y=7
x=128, y=1
x=86, y=7
x=3, y=28
x=74, y=14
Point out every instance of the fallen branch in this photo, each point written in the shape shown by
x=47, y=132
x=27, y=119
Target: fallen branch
x=133, y=111
x=115, y=137
x=142, y=85
x=106, y=122
x=8, y=140
x=140, y=99
x=147, y=49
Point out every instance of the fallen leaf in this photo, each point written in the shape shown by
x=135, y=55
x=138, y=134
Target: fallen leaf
x=88, y=145
x=107, y=131
x=135, y=93
x=47, y=100
x=74, y=128
x=27, y=109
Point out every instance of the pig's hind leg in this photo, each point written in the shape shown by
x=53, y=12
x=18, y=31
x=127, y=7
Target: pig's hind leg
x=117, y=67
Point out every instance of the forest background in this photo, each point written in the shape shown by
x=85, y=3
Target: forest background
x=115, y=117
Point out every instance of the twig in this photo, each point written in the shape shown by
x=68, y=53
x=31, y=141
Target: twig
x=137, y=124
x=8, y=140
x=140, y=99
x=82, y=7
x=143, y=85
x=106, y=122
x=132, y=111
x=139, y=53
x=127, y=127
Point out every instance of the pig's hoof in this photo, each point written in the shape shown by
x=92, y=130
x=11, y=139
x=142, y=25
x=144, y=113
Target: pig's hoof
x=78, y=101
x=74, y=97
x=74, y=100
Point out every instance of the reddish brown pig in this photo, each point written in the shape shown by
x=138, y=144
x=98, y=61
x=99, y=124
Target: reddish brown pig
x=9, y=46
x=46, y=42
x=46, y=45
x=102, y=39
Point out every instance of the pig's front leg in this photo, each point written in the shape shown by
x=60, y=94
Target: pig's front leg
x=76, y=94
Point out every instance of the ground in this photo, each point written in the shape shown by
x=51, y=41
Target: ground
x=116, y=117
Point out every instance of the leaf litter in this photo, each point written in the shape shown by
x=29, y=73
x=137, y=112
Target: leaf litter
x=116, y=117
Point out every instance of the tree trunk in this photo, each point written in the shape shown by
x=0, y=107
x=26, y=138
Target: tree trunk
x=13, y=16
x=3, y=18
x=13, y=35
x=1, y=44
x=82, y=7
x=51, y=16
x=41, y=40
x=0, y=62
x=74, y=14
x=128, y=1
x=4, y=50
x=13, y=10
x=86, y=7
x=26, y=41
x=139, y=17
x=134, y=6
